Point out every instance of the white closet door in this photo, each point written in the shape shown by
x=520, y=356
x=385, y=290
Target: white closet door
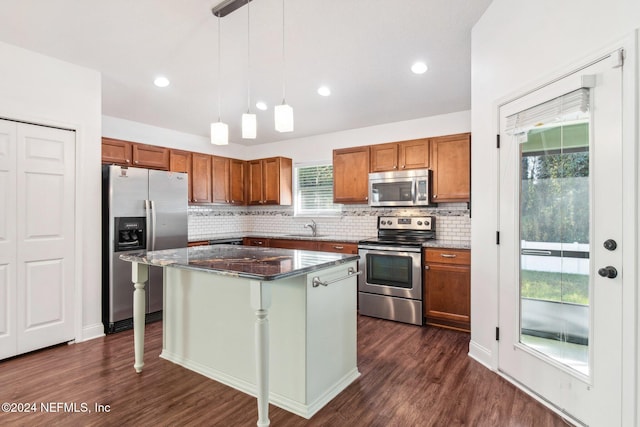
x=8, y=341
x=45, y=236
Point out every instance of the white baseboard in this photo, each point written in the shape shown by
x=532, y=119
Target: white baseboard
x=481, y=354
x=91, y=332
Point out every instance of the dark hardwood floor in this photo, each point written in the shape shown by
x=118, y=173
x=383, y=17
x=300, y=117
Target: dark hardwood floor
x=411, y=376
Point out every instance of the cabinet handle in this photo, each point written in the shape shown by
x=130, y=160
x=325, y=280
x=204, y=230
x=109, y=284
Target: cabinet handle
x=426, y=267
x=136, y=162
x=435, y=196
x=195, y=200
x=128, y=161
x=338, y=247
x=366, y=198
x=448, y=255
x=258, y=243
x=404, y=166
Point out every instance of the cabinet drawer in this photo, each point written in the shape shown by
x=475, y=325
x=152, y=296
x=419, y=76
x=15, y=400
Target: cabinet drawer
x=198, y=243
x=447, y=256
x=251, y=241
x=340, y=247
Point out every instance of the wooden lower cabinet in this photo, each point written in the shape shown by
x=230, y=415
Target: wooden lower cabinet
x=302, y=244
x=198, y=243
x=447, y=288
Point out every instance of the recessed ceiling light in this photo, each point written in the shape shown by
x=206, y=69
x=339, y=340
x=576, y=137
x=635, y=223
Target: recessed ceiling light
x=419, y=68
x=324, y=91
x=161, y=81
x=261, y=105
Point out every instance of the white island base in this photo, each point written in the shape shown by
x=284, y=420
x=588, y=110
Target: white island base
x=209, y=322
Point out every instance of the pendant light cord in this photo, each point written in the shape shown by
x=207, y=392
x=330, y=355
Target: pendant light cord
x=219, y=62
x=248, y=58
x=283, y=58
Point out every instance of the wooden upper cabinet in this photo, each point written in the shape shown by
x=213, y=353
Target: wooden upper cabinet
x=384, y=157
x=116, y=152
x=351, y=175
x=220, y=180
x=237, y=178
x=451, y=165
x=180, y=161
x=150, y=156
x=269, y=181
x=201, y=177
x=413, y=154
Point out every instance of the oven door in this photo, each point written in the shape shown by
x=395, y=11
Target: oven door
x=391, y=271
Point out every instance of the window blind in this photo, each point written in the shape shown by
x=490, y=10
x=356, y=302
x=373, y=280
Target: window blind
x=573, y=106
x=314, y=190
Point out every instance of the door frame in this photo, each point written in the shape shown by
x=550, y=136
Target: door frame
x=630, y=220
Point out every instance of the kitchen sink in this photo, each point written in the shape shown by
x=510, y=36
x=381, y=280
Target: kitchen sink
x=305, y=235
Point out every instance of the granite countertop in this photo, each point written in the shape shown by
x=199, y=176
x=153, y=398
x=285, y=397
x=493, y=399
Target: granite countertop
x=249, y=262
x=292, y=236
x=446, y=245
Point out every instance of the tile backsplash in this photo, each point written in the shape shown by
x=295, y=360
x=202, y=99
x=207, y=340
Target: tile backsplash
x=453, y=222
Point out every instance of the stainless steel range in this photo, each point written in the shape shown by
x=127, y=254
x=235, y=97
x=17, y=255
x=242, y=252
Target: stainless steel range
x=391, y=286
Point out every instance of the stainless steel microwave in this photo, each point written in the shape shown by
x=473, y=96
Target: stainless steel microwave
x=403, y=188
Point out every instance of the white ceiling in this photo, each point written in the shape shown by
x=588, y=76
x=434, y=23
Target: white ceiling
x=361, y=49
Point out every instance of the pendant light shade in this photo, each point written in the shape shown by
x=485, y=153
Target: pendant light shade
x=284, y=117
x=249, y=126
x=219, y=133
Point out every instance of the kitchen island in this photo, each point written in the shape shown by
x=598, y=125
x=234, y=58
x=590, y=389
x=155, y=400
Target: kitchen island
x=278, y=324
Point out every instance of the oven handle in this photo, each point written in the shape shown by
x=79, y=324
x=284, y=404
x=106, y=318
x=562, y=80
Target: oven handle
x=350, y=273
x=384, y=250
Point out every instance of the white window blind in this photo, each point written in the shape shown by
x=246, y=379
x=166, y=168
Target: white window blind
x=572, y=107
x=313, y=187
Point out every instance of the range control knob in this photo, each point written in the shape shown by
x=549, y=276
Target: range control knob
x=419, y=222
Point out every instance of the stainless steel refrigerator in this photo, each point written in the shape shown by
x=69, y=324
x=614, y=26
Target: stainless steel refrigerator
x=142, y=209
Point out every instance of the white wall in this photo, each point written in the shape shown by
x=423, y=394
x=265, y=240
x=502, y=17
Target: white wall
x=518, y=43
x=301, y=150
x=39, y=89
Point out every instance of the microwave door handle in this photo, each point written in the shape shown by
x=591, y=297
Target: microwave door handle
x=414, y=191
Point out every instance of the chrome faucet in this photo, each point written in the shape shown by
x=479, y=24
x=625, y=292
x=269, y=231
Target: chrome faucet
x=312, y=226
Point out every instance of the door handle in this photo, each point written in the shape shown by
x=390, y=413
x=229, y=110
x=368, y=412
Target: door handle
x=153, y=226
x=608, y=272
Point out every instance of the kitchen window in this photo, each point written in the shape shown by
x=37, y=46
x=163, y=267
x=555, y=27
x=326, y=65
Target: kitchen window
x=313, y=190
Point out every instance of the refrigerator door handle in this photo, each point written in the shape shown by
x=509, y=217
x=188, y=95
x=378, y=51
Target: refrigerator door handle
x=147, y=214
x=153, y=225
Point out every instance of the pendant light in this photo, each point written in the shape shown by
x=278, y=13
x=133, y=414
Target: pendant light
x=283, y=113
x=248, y=120
x=219, y=130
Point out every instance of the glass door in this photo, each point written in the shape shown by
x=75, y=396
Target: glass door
x=560, y=283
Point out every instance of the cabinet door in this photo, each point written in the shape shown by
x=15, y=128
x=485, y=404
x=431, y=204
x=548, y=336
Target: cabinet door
x=220, y=179
x=116, y=152
x=271, y=181
x=254, y=183
x=180, y=161
x=237, y=179
x=150, y=156
x=451, y=164
x=448, y=294
x=351, y=175
x=201, y=182
x=413, y=154
x=384, y=157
